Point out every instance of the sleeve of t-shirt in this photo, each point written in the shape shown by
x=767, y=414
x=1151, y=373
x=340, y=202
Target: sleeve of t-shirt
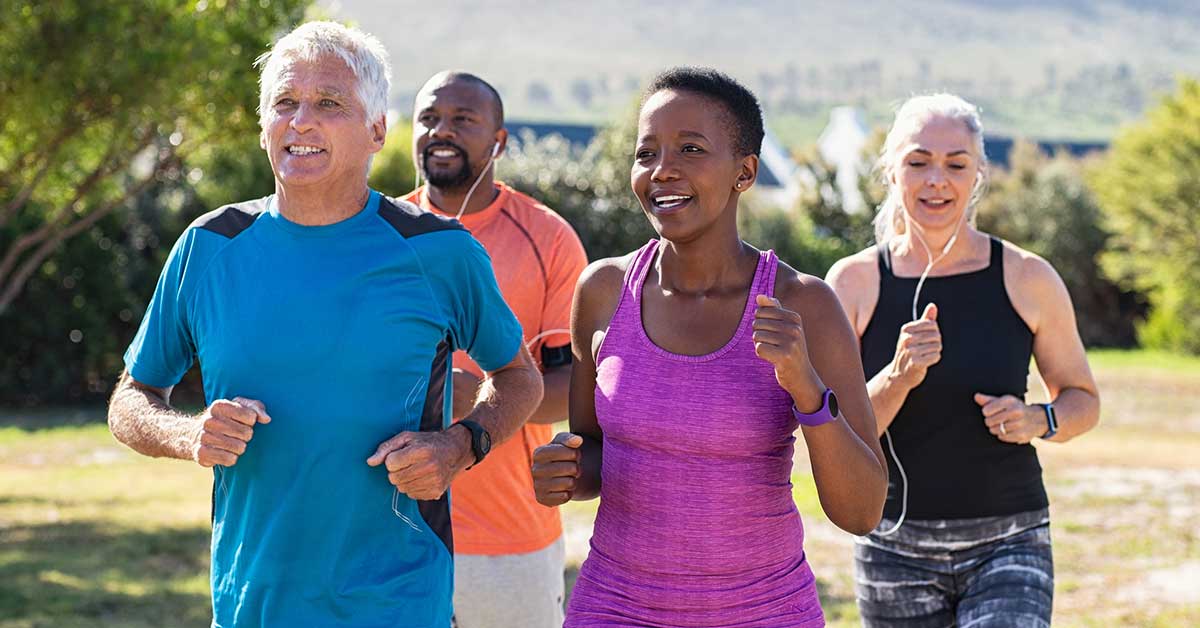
x=563, y=268
x=482, y=323
x=163, y=350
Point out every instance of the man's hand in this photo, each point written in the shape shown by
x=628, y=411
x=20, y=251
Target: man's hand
x=556, y=468
x=224, y=429
x=466, y=389
x=779, y=339
x=1010, y=419
x=918, y=348
x=422, y=464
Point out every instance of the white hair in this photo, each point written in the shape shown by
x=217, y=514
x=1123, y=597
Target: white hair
x=362, y=53
x=910, y=117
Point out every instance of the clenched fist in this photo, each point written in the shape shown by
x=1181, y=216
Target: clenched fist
x=224, y=429
x=918, y=348
x=556, y=469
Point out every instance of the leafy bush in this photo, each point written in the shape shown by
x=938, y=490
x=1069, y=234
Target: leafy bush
x=1149, y=190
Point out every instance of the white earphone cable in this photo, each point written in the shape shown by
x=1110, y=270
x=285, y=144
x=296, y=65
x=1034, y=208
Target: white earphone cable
x=916, y=297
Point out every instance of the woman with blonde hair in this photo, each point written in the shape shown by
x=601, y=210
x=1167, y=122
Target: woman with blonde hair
x=947, y=318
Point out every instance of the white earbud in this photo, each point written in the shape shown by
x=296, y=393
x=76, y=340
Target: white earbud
x=490, y=162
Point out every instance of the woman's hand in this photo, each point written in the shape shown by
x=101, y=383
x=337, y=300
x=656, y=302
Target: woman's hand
x=556, y=468
x=779, y=339
x=918, y=348
x=1012, y=420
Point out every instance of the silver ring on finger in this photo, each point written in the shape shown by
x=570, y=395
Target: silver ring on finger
x=1003, y=430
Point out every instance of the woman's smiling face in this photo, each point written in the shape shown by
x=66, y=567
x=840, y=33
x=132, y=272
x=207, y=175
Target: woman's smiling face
x=936, y=171
x=685, y=169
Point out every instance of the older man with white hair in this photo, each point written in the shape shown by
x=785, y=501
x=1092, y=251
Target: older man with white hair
x=324, y=342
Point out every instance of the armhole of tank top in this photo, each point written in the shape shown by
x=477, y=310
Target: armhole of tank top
x=996, y=268
x=885, y=259
x=883, y=263
x=629, y=286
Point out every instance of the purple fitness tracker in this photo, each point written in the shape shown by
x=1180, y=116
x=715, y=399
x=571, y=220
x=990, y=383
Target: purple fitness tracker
x=827, y=413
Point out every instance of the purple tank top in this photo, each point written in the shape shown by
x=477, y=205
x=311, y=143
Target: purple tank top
x=697, y=525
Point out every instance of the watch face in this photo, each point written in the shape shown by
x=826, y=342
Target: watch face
x=485, y=441
x=833, y=404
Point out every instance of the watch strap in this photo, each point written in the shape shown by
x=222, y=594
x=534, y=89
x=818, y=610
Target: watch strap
x=477, y=437
x=827, y=414
x=1051, y=420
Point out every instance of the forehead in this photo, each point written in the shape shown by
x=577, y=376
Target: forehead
x=670, y=111
x=938, y=134
x=456, y=94
x=326, y=73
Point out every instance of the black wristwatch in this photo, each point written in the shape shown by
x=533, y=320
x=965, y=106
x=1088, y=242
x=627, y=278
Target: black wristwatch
x=481, y=441
x=1051, y=420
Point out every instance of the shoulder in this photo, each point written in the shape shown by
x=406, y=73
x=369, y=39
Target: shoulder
x=1025, y=270
x=540, y=220
x=410, y=220
x=855, y=281
x=803, y=293
x=598, y=292
x=605, y=276
x=1034, y=288
x=854, y=272
x=231, y=220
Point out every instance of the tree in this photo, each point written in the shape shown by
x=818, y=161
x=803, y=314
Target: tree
x=1149, y=190
x=99, y=101
x=1043, y=204
x=588, y=186
x=393, y=172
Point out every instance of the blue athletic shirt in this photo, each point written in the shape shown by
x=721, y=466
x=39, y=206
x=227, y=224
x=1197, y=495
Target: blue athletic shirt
x=345, y=333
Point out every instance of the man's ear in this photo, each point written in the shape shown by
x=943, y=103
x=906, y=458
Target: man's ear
x=379, y=133
x=501, y=143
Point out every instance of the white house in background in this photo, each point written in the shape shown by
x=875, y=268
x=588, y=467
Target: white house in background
x=841, y=144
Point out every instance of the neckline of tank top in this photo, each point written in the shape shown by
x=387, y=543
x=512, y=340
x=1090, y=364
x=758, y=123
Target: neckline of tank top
x=747, y=311
x=992, y=243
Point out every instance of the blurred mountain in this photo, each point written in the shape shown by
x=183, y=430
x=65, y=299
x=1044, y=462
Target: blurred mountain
x=1065, y=69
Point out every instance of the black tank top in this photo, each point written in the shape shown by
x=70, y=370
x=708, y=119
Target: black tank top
x=956, y=468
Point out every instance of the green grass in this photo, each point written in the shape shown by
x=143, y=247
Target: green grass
x=93, y=535
x=1156, y=362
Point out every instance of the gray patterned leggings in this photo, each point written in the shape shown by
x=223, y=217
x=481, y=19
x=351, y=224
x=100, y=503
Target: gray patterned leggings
x=994, y=572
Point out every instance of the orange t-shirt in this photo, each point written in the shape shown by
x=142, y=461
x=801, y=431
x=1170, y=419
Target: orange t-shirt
x=537, y=259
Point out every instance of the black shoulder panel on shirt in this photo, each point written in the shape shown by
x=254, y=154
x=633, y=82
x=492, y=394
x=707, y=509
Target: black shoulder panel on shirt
x=231, y=220
x=409, y=220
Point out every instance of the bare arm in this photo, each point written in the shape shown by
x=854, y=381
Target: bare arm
x=569, y=467
x=141, y=417
x=1062, y=361
x=806, y=336
x=556, y=382
x=507, y=397
x=1043, y=302
x=855, y=281
x=918, y=347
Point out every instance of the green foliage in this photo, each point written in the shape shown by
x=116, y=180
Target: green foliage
x=393, y=171
x=98, y=100
x=1149, y=190
x=817, y=231
x=589, y=187
x=119, y=124
x=1044, y=205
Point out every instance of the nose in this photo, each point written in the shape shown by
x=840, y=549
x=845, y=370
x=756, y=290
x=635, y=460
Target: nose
x=664, y=168
x=936, y=178
x=304, y=118
x=442, y=130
